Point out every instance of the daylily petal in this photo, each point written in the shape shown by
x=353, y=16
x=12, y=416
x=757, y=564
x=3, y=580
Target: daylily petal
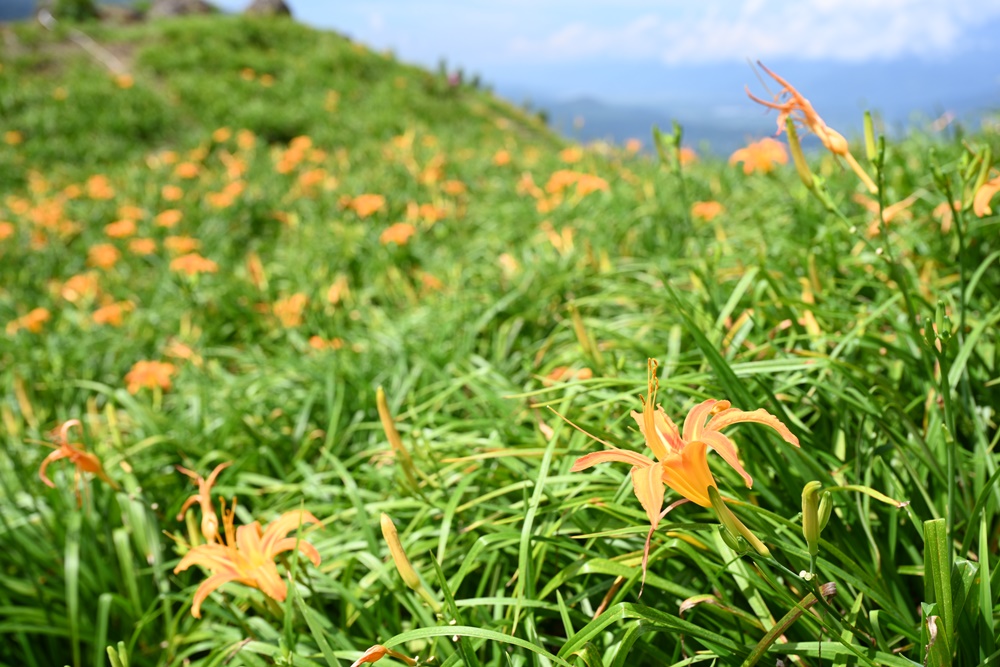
x=265, y=577
x=206, y=588
x=759, y=416
x=186, y=506
x=54, y=456
x=248, y=539
x=283, y=525
x=619, y=455
x=666, y=437
x=725, y=448
x=647, y=482
x=215, y=557
x=695, y=420
x=288, y=543
x=688, y=473
x=981, y=202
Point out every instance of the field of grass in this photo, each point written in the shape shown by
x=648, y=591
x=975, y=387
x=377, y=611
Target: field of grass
x=221, y=257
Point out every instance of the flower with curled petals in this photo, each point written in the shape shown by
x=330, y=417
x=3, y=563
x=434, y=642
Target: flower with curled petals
x=247, y=555
x=209, y=520
x=681, y=454
x=83, y=460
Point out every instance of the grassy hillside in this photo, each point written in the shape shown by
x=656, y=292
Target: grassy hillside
x=220, y=256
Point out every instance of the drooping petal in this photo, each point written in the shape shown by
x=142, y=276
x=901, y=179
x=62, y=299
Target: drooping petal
x=759, y=416
x=688, y=473
x=283, y=525
x=266, y=578
x=288, y=543
x=215, y=557
x=618, y=455
x=186, y=506
x=206, y=589
x=695, y=420
x=647, y=482
x=54, y=456
x=725, y=448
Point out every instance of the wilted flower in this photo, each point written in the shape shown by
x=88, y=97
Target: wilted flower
x=83, y=461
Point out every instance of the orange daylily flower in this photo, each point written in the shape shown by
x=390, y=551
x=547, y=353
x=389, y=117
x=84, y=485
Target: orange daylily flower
x=142, y=246
x=99, y=187
x=120, y=229
x=149, y=375
x=454, y=187
x=192, y=264
x=247, y=555
x=79, y=287
x=633, y=145
x=289, y=311
x=889, y=213
x=186, y=170
x=501, y=157
x=6, y=230
x=377, y=652
x=682, y=455
x=12, y=137
x=794, y=104
x=112, y=314
x=398, y=233
x=367, y=204
x=168, y=218
x=32, y=321
x=571, y=154
x=946, y=214
x=181, y=244
x=171, y=193
x=706, y=210
x=760, y=155
x=83, y=460
x=981, y=202
x=103, y=255
x=209, y=520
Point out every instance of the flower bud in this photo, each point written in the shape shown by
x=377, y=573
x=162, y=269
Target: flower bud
x=399, y=557
x=801, y=166
x=810, y=516
x=869, y=137
x=734, y=526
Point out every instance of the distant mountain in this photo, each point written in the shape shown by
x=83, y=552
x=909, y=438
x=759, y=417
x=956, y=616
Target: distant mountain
x=618, y=102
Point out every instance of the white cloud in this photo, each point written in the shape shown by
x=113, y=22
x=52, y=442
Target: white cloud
x=845, y=30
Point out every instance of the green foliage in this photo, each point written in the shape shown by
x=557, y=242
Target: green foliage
x=878, y=349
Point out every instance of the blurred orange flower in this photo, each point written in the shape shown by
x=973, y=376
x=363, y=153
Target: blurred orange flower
x=79, y=287
x=946, y=214
x=571, y=154
x=981, y=202
x=398, y=233
x=131, y=212
x=186, y=170
x=99, y=187
x=247, y=555
x=6, y=230
x=633, y=145
x=120, y=229
x=142, y=246
x=760, y=155
x=171, y=193
x=12, y=137
x=82, y=460
x=289, y=311
x=181, y=244
x=168, y=218
x=222, y=135
x=339, y=290
x=706, y=210
x=32, y=321
x=103, y=255
x=687, y=156
x=367, y=204
x=112, y=314
x=454, y=187
x=124, y=81
x=501, y=158
x=192, y=264
x=149, y=375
